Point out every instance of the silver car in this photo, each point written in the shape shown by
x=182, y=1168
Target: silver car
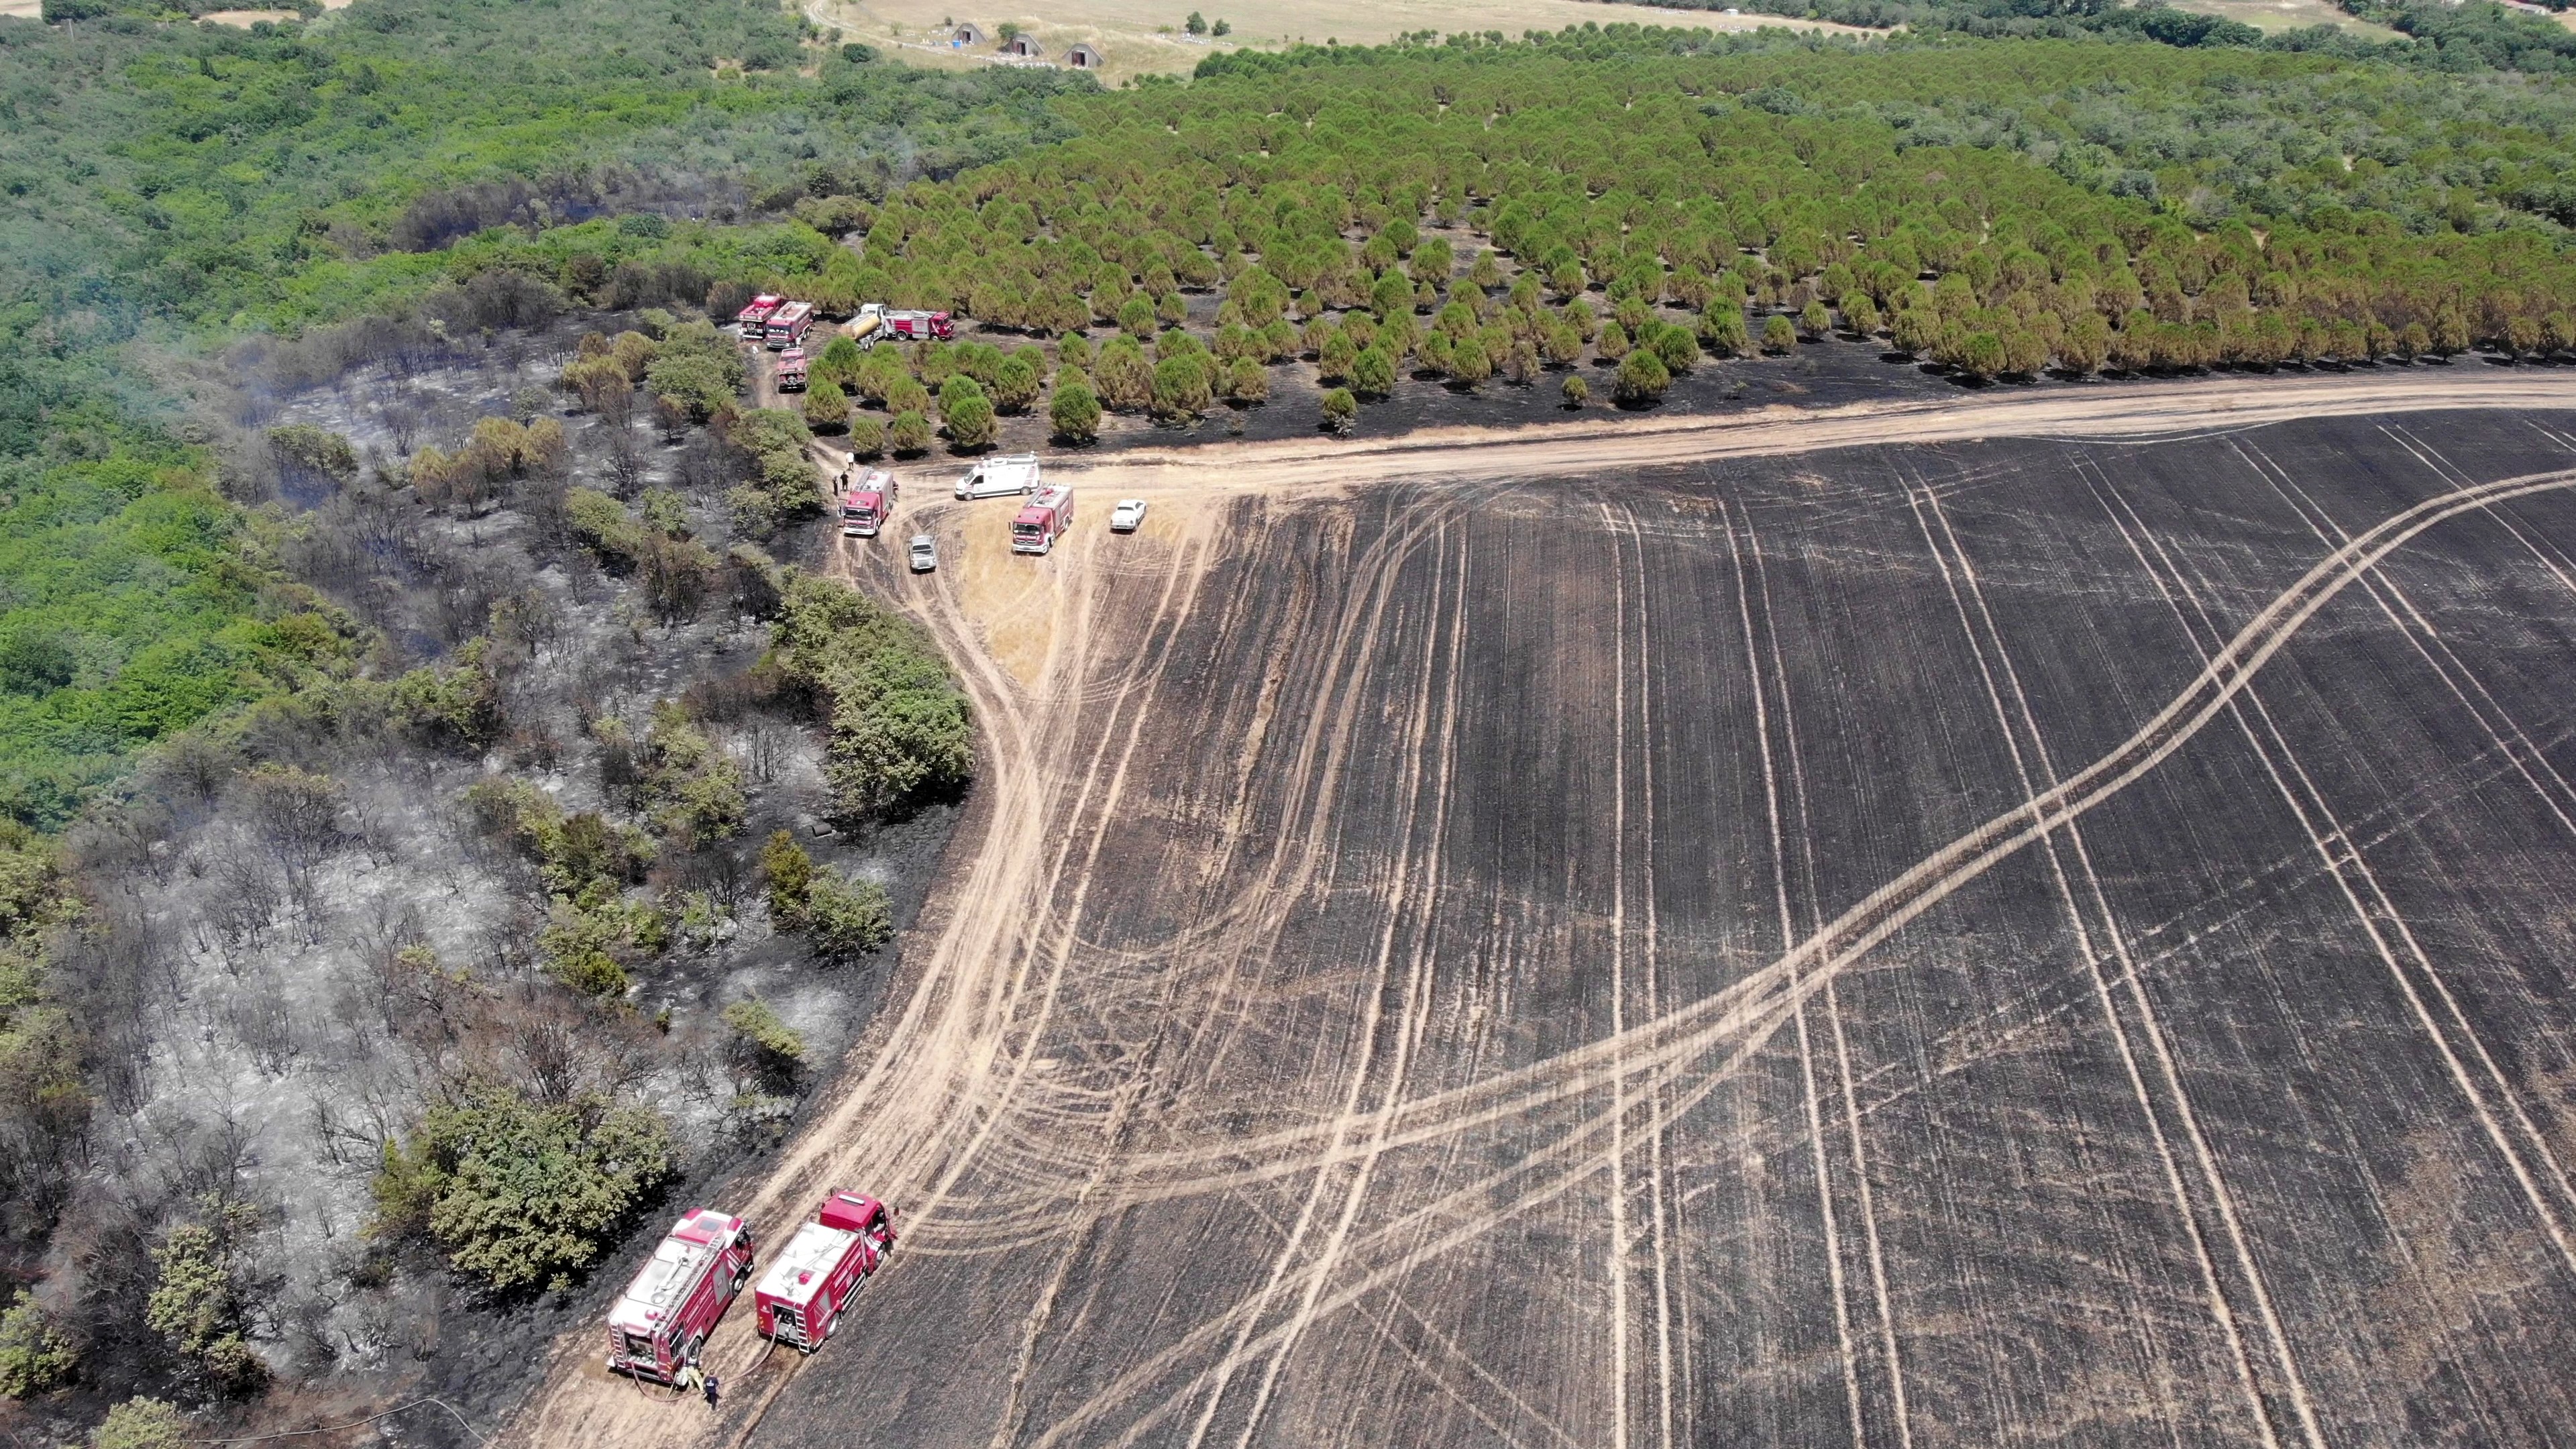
x=925, y=553
x=1128, y=516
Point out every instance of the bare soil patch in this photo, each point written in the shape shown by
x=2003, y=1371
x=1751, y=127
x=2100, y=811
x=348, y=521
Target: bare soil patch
x=1145, y=36
x=2271, y=15
x=247, y=18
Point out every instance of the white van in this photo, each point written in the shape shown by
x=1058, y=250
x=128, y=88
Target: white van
x=993, y=477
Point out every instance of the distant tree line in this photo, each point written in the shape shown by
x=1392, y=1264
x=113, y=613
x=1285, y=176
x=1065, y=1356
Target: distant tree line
x=2444, y=34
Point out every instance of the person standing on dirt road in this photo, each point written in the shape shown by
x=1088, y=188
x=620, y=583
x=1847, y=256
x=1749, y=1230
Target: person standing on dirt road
x=714, y=1390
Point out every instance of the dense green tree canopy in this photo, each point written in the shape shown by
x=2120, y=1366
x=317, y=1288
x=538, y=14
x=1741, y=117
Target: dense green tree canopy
x=2206, y=204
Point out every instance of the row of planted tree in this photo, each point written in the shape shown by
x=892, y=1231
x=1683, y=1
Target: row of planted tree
x=1469, y=221
x=1470, y=332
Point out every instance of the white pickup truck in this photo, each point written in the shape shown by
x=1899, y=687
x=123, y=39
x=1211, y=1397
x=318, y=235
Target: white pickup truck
x=994, y=477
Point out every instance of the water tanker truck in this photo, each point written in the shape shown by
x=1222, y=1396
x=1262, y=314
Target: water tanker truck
x=1044, y=520
x=666, y=1313
x=801, y=1297
x=788, y=325
x=867, y=502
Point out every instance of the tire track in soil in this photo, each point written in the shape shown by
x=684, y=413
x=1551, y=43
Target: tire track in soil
x=1748, y=1016
x=1249, y=927
x=2552, y=558
x=1145, y=674
x=1620, y=1248
x=2226, y=674
x=1813, y=916
x=1789, y=933
x=1319, y=763
x=1986, y=642
x=2343, y=861
x=2400, y=610
x=960, y=998
x=1008, y=1419
x=2380, y=589
x=1410, y=1019
x=1350, y=679
x=2419, y=631
x=2172, y=579
x=1658, y=1185
x=2417, y=525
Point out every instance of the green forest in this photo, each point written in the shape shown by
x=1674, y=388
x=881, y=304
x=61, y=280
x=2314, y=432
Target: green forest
x=2086, y=202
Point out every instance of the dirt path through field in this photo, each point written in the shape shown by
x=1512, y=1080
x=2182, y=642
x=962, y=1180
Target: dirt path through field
x=1615, y=444
x=961, y=1108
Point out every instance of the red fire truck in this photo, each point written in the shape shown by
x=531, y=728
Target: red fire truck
x=867, y=503
x=803, y=1293
x=756, y=316
x=787, y=325
x=920, y=326
x=791, y=370
x=1045, y=517
x=666, y=1314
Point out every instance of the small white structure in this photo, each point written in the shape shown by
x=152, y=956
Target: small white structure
x=1085, y=56
x=1023, y=45
x=966, y=33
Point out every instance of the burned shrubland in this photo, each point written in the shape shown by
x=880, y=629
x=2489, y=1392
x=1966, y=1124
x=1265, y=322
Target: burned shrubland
x=425, y=978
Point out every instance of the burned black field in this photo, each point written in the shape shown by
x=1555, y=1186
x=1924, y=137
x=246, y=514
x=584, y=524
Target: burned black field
x=1557, y=963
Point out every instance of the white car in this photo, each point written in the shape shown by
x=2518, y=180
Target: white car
x=925, y=553
x=1128, y=516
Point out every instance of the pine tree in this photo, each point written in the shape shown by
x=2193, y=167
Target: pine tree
x=1074, y=411
x=1642, y=378
x=966, y=412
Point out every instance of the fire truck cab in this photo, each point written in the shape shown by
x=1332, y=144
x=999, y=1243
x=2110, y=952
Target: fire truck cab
x=666, y=1313
x=803, y=1293
x=867, y=502
x=1045, y=519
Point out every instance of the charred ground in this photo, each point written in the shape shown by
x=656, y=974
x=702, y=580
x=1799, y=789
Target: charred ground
x=1398, y=931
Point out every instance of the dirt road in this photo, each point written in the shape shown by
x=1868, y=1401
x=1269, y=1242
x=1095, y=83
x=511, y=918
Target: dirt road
x=1674, y=934
x=1618, y=444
